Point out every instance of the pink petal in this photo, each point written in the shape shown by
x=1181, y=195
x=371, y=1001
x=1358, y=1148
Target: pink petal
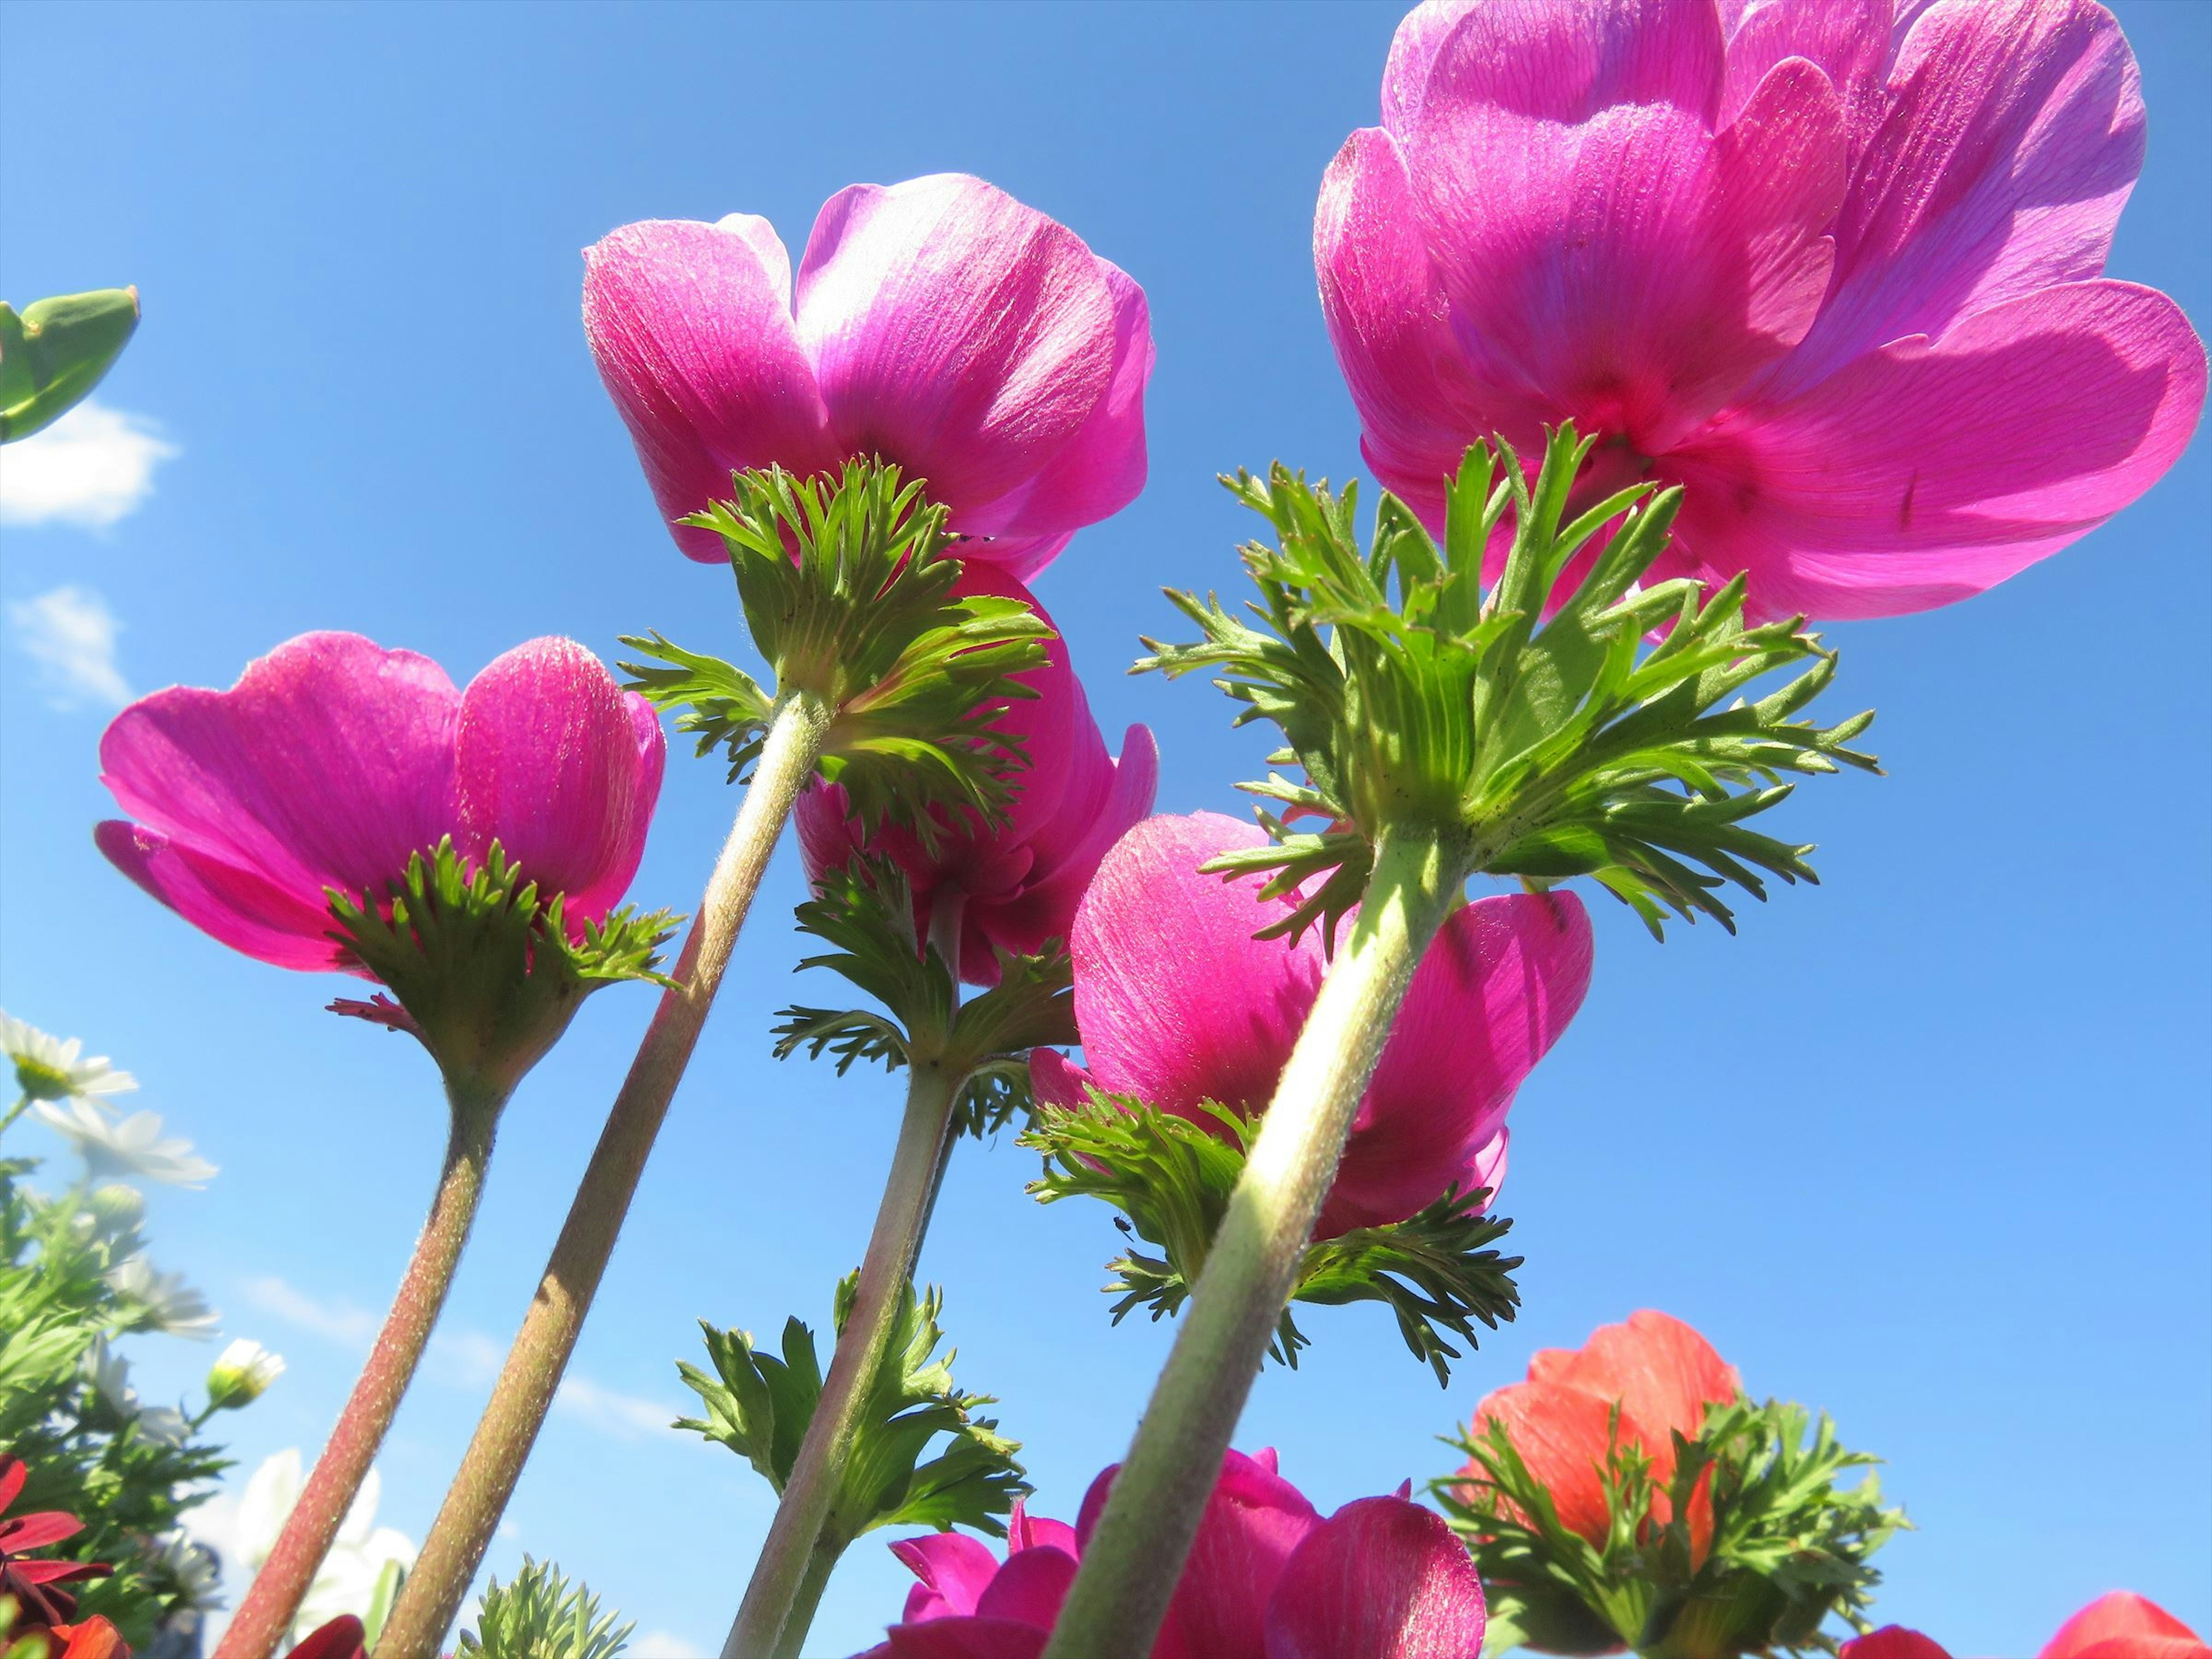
x=1635, y=269
x=1177, y=1001
x=965, y=1639
x=2013, y=134
x=1421, y=33
x=1420, y=402
x=238, y=907
x=1662, y=1371
x=1497, y=987
x=327, y=764
x=556, y=767
x=1057, y=1080
x=1382, y=1579
x=1893, y=1642
x=1564, y=61
x=2119, y=1616
x=954, y=1570
x=1030, y=1587
x=691, y=326
x=1025, y=1531
x=1922, y=474
x=1848, y=40
x=967, y=337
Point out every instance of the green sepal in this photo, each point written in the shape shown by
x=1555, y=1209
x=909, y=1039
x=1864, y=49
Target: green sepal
x=1172, y=1179
x=1790, y=1547
x=759, y=1406
x=538, y=1615
x=865, y=909
x=482, y=973
x=846, y=585
x=55, y=351
x=1413, y=698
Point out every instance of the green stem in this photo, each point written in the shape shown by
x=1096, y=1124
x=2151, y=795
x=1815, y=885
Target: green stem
x=773, y=1618
x=432, y=1597
x=266, y=1615
x=1132, y=1561
x=22, y=1105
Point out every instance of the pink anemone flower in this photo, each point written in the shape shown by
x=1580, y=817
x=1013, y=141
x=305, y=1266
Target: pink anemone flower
x=1832, y=267
x=1269, y=1578
x=2117, y=1626
x=1178, y=1004
x=333, y=759
x=938, y=324
x=1018, y=881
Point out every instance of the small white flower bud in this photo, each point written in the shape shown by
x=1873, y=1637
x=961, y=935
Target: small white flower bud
x=239, y=1378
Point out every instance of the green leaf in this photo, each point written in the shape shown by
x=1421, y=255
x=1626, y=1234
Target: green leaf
x=759, y=1407
x=539, y=1615
x=485, y=975
x=846, y=585
x=1413, y=698
x=56, y=351
x=1172, y=1179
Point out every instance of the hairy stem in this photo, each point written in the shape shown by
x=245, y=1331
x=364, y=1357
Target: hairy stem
x=265, y=1617
x=777, y=1610
x=433, y=1594
x=1132, y=1563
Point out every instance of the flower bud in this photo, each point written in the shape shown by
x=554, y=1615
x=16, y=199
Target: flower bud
x=242, y=1375
x=113, y=1211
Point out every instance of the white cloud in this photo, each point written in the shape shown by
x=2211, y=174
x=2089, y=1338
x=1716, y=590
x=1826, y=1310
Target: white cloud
x=625, y=1416
x=91, y=468
x=340, y=1322
x=467, y=1359
x=70, y=634
x=663, y=1644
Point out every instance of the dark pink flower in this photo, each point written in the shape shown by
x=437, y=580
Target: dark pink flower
x=2118, y=1626
x=1178, y=1004
x=938, y=324
x=333, y=759
x=1020, y=881
x=1267, y=1578
x=1832, y=267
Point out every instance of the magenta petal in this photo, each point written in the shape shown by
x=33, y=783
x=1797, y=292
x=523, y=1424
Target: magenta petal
x=959, y=332
x=691, y=326
x=1421, y=33
x=238, y=907
x=1177, y=1001
x=2013, y=134
x=965, y=1639
x=326, y=765
x=1057, y=1080
x=1847, y=40
x=1025, y=1531
x=1500, y=983
x=553, y=766
x=954, y=1570
x=1382, y=1579
x=1030, y=1587
x=1922, y=474
x=1564, y=61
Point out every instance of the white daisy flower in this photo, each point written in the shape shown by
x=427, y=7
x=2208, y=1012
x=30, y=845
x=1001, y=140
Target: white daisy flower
x=130, y=1145
x=242, y=1375
x=171, y=1305
x=110, y=1379
x=347, y=1580
x=194, y=1568
x=47, y=1068
x=165, y=1425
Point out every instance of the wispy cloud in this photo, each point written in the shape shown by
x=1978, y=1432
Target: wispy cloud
x=625, y=1416
x=70, y=635
x=467, y=1359
x=663, y=1644
x=92, y=467
x=340, y=1322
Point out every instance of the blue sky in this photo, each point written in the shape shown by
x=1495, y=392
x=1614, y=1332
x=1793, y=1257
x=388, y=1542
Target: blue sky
x=1926, y=1145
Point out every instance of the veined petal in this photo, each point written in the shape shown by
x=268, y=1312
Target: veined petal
x=2012, y=135
x=1564, y=61
x=327, y=764
x=1502, y=980
x=691, y=327
x=953, y=1568
x=1565, y=1437
x=238, y=907
x=1382, y=1579
x=1177, y=1003
x=1662, y=1371
x=1057, y=1080
x=553, y=766
x=1922, y=474
x=1029, y=1588
x=958, y=332
x=1848, y=40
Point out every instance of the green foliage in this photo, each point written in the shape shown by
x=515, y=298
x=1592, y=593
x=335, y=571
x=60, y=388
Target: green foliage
x=758, y=1405
x=1172, y=1178
x=865, y=911
x=847, y=585
x=1789, y=1546
x=55, y=351
x=538, y=1615
x=127, y=1472
x=486, y=976
x=1415, y=701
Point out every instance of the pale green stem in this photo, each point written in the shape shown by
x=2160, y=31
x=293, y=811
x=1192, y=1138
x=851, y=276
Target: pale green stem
x=265, y=1617
x=796, y=1560
x=1131, y=1562
x=22, y=1105
x=432, y=1593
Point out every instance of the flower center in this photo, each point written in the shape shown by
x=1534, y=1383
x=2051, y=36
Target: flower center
x=41, y=1081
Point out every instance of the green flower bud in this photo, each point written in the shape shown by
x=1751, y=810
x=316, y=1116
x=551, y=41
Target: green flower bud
x=242, y=1375
x=113, y=1212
